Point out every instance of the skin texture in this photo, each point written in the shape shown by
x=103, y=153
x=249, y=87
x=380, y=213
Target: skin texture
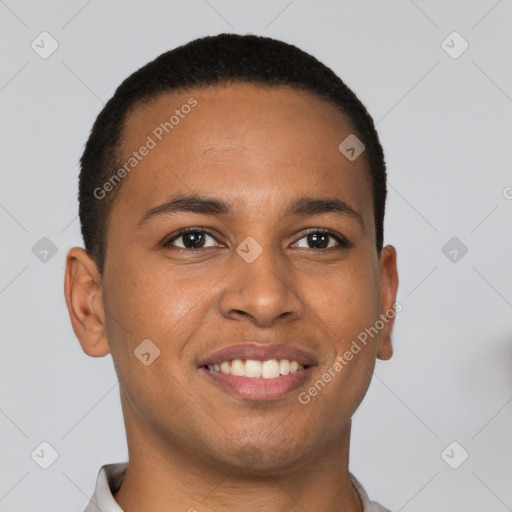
x=193, y=445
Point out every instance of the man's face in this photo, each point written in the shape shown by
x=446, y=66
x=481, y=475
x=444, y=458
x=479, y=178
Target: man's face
x=255, y=276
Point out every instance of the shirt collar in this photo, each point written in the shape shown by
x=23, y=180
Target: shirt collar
x=108, y=482
x=111, y=476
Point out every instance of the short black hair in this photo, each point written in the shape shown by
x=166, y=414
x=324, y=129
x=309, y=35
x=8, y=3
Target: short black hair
x=206, y=61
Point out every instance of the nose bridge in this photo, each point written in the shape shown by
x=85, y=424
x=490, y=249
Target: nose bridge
x=260, y=285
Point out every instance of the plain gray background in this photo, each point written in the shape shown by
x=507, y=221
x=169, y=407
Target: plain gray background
x=446, y=127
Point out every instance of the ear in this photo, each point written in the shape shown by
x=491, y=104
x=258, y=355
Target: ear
x=388, y=289
x=83, y=292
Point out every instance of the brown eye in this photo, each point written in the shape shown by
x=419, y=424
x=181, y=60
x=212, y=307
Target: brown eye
x=192, y=238
x=319, y=239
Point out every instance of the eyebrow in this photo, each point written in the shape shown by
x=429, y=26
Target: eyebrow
x=301, y=207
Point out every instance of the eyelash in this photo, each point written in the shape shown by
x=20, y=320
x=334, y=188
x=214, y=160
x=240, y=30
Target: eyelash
x=340, y=239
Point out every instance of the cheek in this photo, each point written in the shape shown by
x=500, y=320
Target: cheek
x=156, y=303
x=353, y=308
x=348, y=302
x=146, y=299
x=146, y=304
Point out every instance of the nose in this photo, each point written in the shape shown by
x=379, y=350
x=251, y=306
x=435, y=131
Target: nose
x=262, y=291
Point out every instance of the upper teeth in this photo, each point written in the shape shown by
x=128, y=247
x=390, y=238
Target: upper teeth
x=269, y=369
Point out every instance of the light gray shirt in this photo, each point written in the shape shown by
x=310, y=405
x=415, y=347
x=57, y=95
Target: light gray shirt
x=111, y=476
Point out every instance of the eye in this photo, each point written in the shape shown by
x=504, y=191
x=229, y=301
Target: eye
x=320, y=240
x=192, y=238
x=196, y=238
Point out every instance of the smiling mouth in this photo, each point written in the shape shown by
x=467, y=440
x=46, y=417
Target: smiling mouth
x=255, y=369
x=255, y=380
x=258, y=371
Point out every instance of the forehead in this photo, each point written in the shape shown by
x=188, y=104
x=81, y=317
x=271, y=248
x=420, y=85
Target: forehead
x=247, y=143
x=238, y=113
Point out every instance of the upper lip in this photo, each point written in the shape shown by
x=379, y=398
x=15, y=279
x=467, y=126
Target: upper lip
x=259, y=352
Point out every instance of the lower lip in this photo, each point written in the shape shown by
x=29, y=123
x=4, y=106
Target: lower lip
x=259, y=388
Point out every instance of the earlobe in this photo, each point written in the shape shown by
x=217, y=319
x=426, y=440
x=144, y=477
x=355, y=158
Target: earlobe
x=385, y=350
x=388, y=288
x=83, y=293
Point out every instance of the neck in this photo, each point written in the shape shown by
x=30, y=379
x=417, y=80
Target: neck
x=165, y=477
